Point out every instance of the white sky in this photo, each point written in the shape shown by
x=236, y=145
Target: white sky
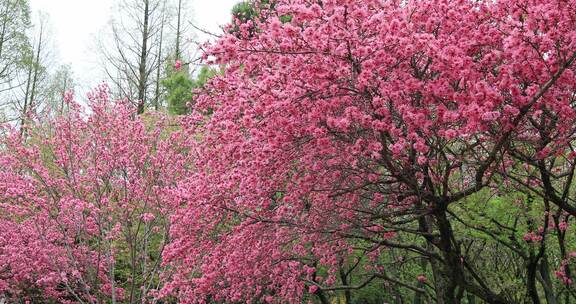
x=75, y=24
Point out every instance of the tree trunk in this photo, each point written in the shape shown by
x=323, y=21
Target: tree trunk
x=158, y=68
x=36, y=66
x=531, y=281
x=443, y=285
x=178, y=29
x=143, y=79
x=345, y=282
x=453, y=268
x=25, y=107
x=31, y=81
x=546, y=281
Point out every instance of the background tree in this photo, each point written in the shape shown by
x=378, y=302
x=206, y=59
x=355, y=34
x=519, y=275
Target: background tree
x=131, y=63
x=137, y=63
x=14, y=49
x=59, y=83
x=30, y=78
x=180, y=88
x=15, y=19
x=30, y=99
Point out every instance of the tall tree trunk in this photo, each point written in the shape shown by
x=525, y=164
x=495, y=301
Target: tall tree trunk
x=531, y=280
x=444, y=286
x=158, y=68
x=25, y=106
x=36, y=66
x=31, y=84
x=453, y=266
x=546, y=281
x=178, y=29
x=143, y=79
x=345, y=282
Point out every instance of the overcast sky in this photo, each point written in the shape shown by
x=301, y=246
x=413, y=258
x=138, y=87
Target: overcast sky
x=75, y=24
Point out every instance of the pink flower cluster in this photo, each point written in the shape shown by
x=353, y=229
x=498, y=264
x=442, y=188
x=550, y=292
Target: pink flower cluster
x=562, y=273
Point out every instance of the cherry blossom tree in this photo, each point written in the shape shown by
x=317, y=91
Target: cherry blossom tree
x=85, y=200
x=351, y=123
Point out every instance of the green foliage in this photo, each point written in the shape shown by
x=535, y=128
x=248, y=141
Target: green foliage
x=244, y=11
x=14, y=43
x=178, y=92
x=205, y=74
x=58, y=83
x=285, y=18
x=179, y=88
x=250, y=10
x=371, y=294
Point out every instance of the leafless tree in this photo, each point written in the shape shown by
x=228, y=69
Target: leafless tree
x=132, y=53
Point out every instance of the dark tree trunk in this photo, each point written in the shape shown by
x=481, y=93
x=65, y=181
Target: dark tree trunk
x=178, y=30
x=142, y=81
x=546, y=281
x=531, y=281
x=158, y=68
x=31, y=84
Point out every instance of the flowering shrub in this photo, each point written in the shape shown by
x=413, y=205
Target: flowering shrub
x=83, y=193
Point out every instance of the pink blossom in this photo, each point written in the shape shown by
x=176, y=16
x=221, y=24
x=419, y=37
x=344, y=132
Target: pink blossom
x=451, y=133
x=490, y=116
x=178, y=65
x=147, y=217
